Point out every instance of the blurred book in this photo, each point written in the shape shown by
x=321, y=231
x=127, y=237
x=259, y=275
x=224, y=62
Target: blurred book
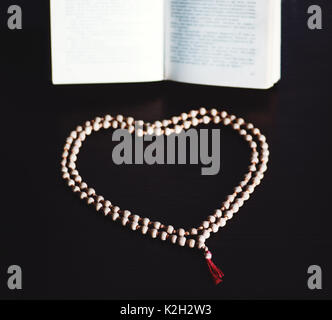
x=233, y=43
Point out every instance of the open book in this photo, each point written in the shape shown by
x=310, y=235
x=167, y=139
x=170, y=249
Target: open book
x=215, y=42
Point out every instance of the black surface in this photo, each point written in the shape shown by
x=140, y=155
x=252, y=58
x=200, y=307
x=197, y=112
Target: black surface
x=66, y=250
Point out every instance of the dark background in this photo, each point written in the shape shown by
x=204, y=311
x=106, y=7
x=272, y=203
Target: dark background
x=66, y=250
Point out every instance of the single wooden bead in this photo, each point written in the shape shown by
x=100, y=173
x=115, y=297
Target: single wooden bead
x=69, y=140
x=236, y=126
x=213, y=112
x=245, y=195
x=124, y=221
x=158, y=124
x=200, y=244
x=239, y=202
x=202, y=111
x=240, y=121
x=135, y=218
x=73, y=134
x=178, y=129
x=193, y=231
x=214, y=227
x=158, y=131
x=82, y=136
x=83, y=195
x=250, y=188
x=130, y=120
x=191, y=243
x=154, y=233
x=156, y=225
x=106, y=210
x=186, y=124
x=78, y=179
x=88, y=130
x=221, y=222
x=195, y=122
x=76, y=189
x=175, y=120
x=216, y=119
x=64, y=169
x=253, y=145
x=206, y=119
x=150, y=131
x=264, y=146
x=218, y=213
x=144, y=229
x=206, y=234
x=205, y=224
x=145, y=221
x=226, y=121
x=90, y=200
x=115, y=124
x=72, y=165
x=66, y=175
x=108, y=117
x=184, y=116
x=212, y=219
x=107, y=203
x=83, y=186
x=134, y=225
x=73, y=157
x=100, y=198
x=229, y=214
x=126, y=213
x=226, y=204
x=115, y=216
x=201, y=238
x=262, y=138
x=163, y=235
x=181, y=232
x=75, y=150
x=91, y=192
x=98, y=206
x=223, y=114
x=139, y=132
x=235, y=207
x=117, y=209
x=173, y=238
x=181, y=241
x=170, y=229
x=106, y=124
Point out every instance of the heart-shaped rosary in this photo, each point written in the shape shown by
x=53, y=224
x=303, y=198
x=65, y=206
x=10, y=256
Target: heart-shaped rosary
x=195, y=237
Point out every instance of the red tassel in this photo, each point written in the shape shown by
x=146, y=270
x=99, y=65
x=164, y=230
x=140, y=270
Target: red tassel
x=214, y=270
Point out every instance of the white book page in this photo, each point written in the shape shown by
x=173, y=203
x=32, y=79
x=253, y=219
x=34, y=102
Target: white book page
x=218, y=42
x=100, y=41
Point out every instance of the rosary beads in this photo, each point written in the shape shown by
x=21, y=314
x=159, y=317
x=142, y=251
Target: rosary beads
x=195, y=237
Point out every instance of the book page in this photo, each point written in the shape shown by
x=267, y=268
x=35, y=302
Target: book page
x=218, y=42
x=100, y=41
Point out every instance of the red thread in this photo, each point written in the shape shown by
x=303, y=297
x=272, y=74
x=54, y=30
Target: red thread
x=216, y=273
